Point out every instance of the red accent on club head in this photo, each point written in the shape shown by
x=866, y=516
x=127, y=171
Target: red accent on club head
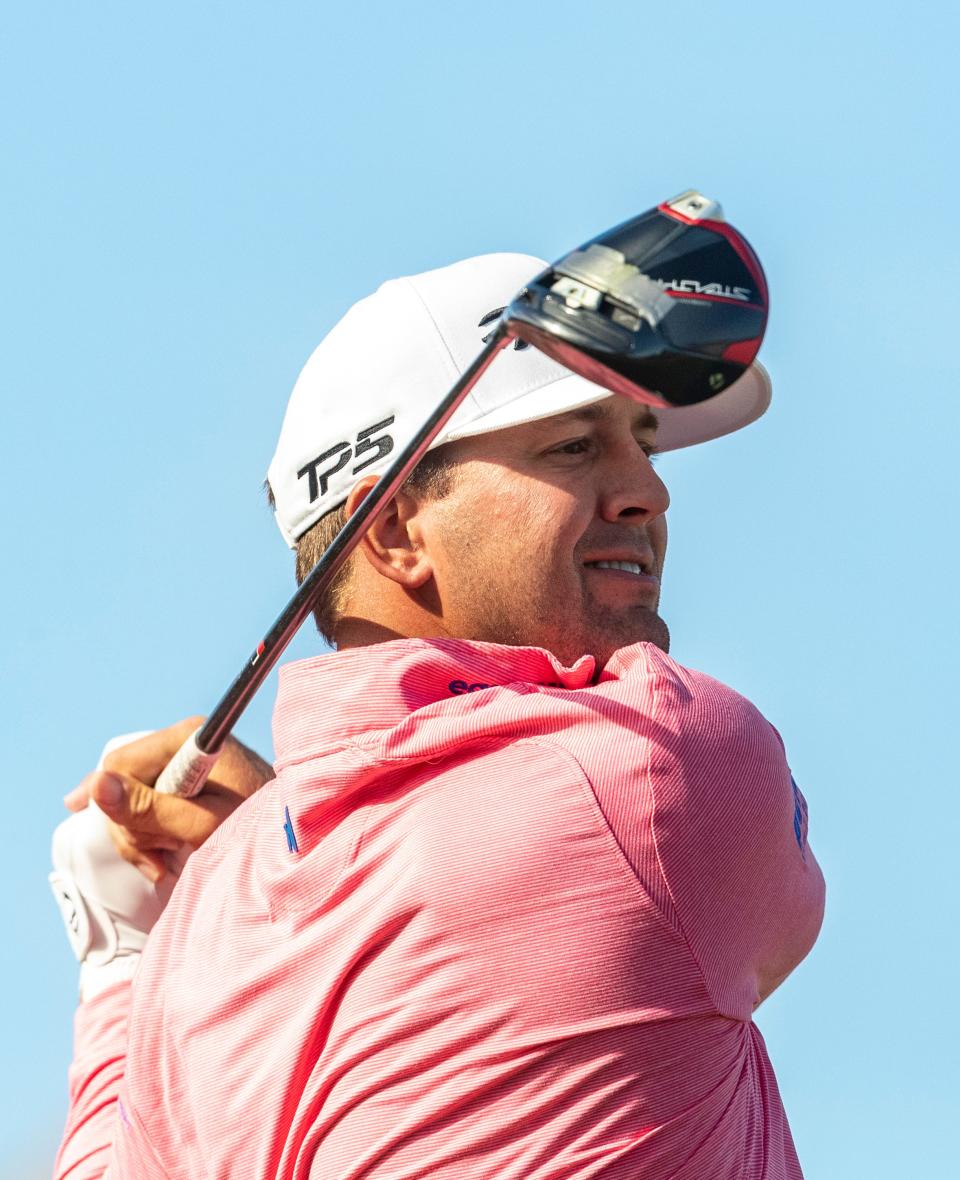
x=713, y=298
x=739, y=243
x=742, y=352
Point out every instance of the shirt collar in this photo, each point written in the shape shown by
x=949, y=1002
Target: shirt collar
x=327, y=700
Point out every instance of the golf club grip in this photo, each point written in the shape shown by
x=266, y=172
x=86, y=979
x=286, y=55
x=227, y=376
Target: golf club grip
x=187, y=770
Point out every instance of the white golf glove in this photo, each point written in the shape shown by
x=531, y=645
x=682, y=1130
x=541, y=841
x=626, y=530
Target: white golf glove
x=108, y=907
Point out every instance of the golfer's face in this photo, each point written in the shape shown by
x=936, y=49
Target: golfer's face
x=554, y=534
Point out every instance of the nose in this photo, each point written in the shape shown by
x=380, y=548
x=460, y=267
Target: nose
x=632, y=488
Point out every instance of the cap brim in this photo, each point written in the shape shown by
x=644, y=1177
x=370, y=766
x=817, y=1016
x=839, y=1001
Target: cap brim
x=680, y=426
x=744, y=402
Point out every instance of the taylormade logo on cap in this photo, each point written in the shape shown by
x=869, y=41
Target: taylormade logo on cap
x=371, y=438
x=383, y=368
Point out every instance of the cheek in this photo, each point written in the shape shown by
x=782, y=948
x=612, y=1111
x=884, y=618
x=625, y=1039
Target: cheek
x=508, y=529
x=542, y=530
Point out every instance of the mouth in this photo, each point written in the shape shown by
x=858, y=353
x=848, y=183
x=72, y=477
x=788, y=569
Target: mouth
x=625, y=565
x=624, y=578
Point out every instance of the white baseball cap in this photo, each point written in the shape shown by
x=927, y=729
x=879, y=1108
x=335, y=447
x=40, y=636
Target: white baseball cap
x=379, y=373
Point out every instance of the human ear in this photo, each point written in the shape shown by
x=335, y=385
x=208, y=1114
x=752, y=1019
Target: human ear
x=392, y=544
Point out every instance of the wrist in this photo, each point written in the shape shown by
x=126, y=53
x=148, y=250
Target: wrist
x=98, y=977
x=108, y=907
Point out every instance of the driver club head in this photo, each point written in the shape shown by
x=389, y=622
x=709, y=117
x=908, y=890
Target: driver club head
x=669, y=308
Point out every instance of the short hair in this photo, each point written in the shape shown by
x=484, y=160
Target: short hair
x=431, y=479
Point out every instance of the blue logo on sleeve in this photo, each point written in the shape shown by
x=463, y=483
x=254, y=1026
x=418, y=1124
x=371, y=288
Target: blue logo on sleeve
x=292, y=845
x=800, y=818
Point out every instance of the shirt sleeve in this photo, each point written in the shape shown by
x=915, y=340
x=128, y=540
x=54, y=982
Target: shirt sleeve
x=715, y=826
x=95, y=1078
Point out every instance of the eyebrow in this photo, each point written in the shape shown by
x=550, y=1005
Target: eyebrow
x=646, y=419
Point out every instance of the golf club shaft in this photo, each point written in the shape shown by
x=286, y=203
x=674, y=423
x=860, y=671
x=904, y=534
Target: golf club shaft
x=187, y=771
x=601, y=311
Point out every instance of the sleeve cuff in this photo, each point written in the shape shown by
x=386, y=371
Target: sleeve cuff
x=95, y=979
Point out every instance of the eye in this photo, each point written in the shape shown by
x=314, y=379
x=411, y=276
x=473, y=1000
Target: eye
x=575, y=446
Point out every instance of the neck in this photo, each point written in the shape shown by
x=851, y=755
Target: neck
x=356, y=632
x=381, y=611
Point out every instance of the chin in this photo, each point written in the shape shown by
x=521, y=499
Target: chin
x=661, y=638
x=603, y=648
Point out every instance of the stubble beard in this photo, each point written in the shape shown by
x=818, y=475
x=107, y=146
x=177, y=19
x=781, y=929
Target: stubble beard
x=569, y=633
x=517, y=615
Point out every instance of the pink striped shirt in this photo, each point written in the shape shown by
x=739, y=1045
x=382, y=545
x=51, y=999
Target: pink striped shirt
x=495, y=919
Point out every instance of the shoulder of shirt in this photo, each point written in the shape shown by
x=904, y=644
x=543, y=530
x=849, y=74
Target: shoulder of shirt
x=647, y=663
x=680, y=709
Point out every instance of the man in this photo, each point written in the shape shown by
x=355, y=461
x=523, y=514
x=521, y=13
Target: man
x=520, y=881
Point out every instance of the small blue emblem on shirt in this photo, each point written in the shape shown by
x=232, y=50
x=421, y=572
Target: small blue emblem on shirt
x=292, y=845
x=800, y=817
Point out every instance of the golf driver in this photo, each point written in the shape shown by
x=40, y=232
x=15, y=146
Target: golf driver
x=668, y=308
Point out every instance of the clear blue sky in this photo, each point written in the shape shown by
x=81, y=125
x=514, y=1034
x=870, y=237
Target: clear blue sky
x=193, y=193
